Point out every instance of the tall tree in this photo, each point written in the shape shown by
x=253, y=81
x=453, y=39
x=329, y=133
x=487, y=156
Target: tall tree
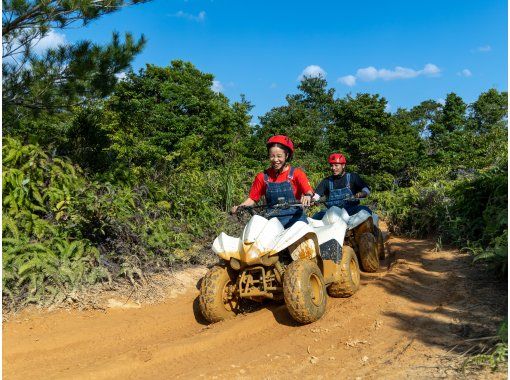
x=489, y=109
x=41, y=84
x=305, y=118
x=454, y=113
x=425, y=115
x=359, y=123
x=172, y=115
x=379, y=145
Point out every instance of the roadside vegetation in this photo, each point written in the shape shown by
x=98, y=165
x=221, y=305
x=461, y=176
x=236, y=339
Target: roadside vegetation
x=108, y=179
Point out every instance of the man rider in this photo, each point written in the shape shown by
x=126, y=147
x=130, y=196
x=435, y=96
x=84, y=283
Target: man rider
x=341, y=186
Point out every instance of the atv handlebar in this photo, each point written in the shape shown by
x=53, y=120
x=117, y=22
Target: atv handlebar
x=251, y=209
x=323, y=201
x=282, y=205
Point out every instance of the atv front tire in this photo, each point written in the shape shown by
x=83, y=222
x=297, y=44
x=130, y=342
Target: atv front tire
x=368, y=252
x=304, y=291
x=218, y=294
x=349, y=275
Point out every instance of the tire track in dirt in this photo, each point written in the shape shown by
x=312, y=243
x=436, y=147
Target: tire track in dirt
x=403, y=322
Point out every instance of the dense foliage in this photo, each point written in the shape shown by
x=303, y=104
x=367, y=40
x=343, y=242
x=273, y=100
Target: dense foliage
x=153, y=169
x=106, y=178
x=42, y=88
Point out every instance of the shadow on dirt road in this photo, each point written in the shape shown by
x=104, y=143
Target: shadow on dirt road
x=457, y=306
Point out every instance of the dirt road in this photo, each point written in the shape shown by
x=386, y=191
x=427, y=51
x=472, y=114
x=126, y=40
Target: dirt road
x=414, y=319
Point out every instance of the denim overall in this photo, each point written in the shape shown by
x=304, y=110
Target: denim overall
x=283, y=191
x=337, y=198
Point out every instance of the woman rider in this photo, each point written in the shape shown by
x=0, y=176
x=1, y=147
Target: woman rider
x=340, y=186
x=281, y=182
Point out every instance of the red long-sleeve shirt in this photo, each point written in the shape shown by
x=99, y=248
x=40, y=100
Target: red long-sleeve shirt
x=299, y=183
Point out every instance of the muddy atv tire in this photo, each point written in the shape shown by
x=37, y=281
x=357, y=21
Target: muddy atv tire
x=216, y=300
x=304, y=291
x=368, y=253
x=379, y=238
x=350, y=275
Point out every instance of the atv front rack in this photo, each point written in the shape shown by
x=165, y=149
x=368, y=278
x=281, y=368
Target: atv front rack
x=258, y=281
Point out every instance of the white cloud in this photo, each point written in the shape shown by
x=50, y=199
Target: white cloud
x=273, y=85
x=217, y=86
x=388, y=107
x=482, y=49
x=200, y=17
x=431, y=70
x=312, y=71
x=51, y=40
x=348, y=80
x=369, y=74
x=465, y=73
x=121, y=76
x=441, y=101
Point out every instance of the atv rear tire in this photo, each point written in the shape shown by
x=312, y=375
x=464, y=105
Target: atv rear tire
x=368, y=253
x=350, y=275
x=216, y=299
x=381, y=252
x=304, y=291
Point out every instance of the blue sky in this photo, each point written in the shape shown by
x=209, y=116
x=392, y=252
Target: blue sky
x=407, y=51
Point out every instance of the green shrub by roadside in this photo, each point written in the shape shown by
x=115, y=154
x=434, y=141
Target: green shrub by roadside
x=62, y=230
x=43, y=256
x=465, y=208
x=496, y=355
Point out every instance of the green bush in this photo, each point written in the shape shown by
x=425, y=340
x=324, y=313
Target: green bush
x=496, y=355
x=62, y=230
x=43, y=256
x=468, y=209
x=164, y=159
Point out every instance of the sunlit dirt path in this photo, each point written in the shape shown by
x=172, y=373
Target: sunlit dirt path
x=413, y=319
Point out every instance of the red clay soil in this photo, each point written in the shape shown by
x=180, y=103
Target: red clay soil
x=419, y=317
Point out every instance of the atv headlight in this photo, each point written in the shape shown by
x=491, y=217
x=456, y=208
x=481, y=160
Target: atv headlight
x=235, y=264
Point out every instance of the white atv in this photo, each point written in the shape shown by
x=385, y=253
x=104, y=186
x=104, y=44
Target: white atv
x=299, y=264
x=365, y=237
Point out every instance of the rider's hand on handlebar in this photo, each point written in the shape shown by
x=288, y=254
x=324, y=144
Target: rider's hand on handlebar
x=315, y=198
x=247, y=204
x=361, y=194
x=306, y=200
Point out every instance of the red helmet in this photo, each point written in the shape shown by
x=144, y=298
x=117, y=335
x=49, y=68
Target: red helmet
x=283, y=140
x=337, y=158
